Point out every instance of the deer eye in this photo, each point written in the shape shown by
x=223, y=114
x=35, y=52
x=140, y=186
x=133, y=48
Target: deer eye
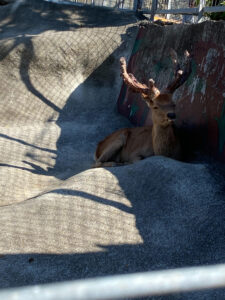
x=155, y=107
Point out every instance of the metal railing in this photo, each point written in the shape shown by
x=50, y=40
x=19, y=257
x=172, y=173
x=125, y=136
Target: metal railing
x=188, y=7
x=158, y=7
x=124, y=286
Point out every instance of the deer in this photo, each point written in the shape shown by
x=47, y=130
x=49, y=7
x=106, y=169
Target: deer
x=129, y=145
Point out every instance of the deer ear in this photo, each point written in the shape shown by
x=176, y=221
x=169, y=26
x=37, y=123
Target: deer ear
x=150, y=102
x=147, y=99
x=145, y=96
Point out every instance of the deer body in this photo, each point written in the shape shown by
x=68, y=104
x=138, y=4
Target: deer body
x=132, y=144
x=125, y=146
x=129, y=145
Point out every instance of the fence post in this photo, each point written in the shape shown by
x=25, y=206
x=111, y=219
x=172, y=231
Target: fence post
x=200, y=10
x=154, y=9
x=136, y=4
x=169, y=7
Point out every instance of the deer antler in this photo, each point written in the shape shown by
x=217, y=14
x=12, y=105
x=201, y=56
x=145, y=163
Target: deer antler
x=180, y=75
x=146, y=91
x=130, y=80
x=150, y=90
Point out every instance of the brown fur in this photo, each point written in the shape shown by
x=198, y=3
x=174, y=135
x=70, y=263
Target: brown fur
x=125, y=146
x=128, y=145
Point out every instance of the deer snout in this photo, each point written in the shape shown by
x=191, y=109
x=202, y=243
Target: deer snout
x=171, y=116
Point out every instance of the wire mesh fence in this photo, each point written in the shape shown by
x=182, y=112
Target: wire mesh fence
x=54, y=61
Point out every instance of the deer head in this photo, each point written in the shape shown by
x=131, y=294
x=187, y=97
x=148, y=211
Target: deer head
x=160, y=102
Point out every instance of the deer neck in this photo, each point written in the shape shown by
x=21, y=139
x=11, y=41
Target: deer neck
x=165, y=142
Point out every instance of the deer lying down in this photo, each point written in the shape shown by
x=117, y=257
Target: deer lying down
x=128, y=145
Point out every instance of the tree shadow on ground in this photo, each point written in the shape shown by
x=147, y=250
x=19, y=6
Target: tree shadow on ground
x=88, y=115
x=58, y=18
x=179, y=210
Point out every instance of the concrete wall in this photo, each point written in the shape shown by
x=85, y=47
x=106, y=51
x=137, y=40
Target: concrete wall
x=201, y=100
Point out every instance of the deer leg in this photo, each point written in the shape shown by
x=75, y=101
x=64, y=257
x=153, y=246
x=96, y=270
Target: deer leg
x=108, y=164
x=116, y=164
x=110, y=151
x=136, y=159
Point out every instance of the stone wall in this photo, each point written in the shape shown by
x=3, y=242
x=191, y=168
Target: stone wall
x=201, y=100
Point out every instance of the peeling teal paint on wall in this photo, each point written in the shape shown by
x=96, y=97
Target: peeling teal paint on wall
x=134, y=108
x=199, y=85
x=144, y=116
x=167, y=64
x=221, y=127
x=136, y=47
x=164, y=64
x=193, y=73
x=158, y=67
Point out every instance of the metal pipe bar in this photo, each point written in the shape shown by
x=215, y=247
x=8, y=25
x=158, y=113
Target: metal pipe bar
x=201, y=10
x=169, y=7
x=182, y=11
x=154, y=9
x=123, y=286
x=188, y=11
x=210, y=9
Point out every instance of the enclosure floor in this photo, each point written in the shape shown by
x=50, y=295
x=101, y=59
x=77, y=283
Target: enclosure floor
x=59, y=218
